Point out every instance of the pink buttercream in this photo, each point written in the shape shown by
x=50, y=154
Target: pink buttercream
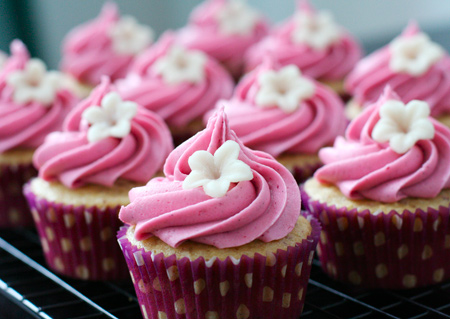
x=363, y=168
x=316, y=122
x=264, y=208
x=332, y=63
x=27, y=125
x=68, y=156
x=203, y=34
x=177, y=104
x=367, y=81
x=88, y=52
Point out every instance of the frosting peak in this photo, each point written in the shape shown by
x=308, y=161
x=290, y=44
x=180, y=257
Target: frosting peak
x=265, y=207
x=101, y=145
x=413, y=164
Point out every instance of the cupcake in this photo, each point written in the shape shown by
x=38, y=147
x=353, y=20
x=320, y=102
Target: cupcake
x=224, y=29
x=312, y=41
x=33, y=103
x=84, y=178
x=106, y=45
x=416, y=69
x=179, y=84
x=221, y=236
x=383, y=198
x=277, y=110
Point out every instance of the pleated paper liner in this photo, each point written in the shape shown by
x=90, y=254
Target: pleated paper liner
x=14, y=211
x=393, y=250
x=79, y=241
x=302, y=173
x=258, y=286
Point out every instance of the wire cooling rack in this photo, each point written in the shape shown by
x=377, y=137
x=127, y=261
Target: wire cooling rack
x=29, y=290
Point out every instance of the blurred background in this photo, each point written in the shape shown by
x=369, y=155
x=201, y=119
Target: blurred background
x=42, y=24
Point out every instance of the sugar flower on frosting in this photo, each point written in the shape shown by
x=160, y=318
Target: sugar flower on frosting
x=403, y=125
x=317, y=30
x=216, y=172
x=285, y=89
x=34, y=83
x=236, y=17
x=181, y=65
x=112, y=118
x=130, y=37
x=414, y=54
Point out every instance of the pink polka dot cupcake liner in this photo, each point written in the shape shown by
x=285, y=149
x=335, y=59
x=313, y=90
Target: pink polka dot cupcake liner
x=14, y=211
x=389, y=250
x=78, y=242
x=251, y=287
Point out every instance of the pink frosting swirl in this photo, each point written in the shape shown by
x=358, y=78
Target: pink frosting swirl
x=177, y=104
x=367, y=81
x=363, y=168
x=264, y=208
x=316, y=122
x=27, y=125
x=203, y=34
x=67, y=156
x=88, y=53
x=332, y=63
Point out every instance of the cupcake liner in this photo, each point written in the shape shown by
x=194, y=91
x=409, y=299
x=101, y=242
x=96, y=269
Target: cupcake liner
x=78, y=241
x=303, y=172
x=251, y=287
x=393, y=250
x=14, y=211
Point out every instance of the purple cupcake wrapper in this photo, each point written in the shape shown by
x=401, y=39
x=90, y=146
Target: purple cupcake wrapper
x=79, y=241
x=14, y=211
x=302, y=173
x=258, y=287
x=383, y=250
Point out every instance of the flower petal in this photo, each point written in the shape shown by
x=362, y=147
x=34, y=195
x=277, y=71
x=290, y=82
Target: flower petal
x=217, y=188
x=237, y=171
x=227, y=153
x=195, y=179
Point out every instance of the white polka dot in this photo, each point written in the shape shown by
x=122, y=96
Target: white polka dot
x=331, y=268
x=427, y=252
x=142, y=287
x=108, y=264
x=45, y=246
x=267, y=294
x=381, y=271
x=354, y=278
x=248, y=278
x=14, y=216
x=87, y=217
x=342, y=223
x=66, y=245
x=180, y=307
x=242, y=312
x=361, y=222
x=58, y=264
x=437, y=223
x=323, y=237
x=82, y=272
x=271, y=260
x=199, y=285
x=212, y=315
x=162, y=315
x=298, y=269
x=35, y=214
x=283, y=271
x=156, y=284
x=69, y=220
x=85, y=244
x=438, y=275
x=224, y=286
x=409, y=281
x=51, y=215
x=172, y=273
x=50, y=234
x=300, y=294
x=286, y=300
x=379, y=239
x=311, y=256
x=418, y=225
x=132, y=277
x=106, y=233
x=144, y=312
x=402, y=251
x=339, y=247
x=397, y=221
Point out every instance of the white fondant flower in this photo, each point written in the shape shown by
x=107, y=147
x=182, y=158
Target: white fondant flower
x=318, y=30
x=414, y=55
x=216, y=172
x=403, y=125
x=130, y=37
x=236, y=17
x=285, y=89
x=112, y=118
x=181, y=65
x=34, y=83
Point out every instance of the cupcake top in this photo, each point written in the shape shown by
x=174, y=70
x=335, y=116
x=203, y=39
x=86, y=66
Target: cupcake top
x=224, y=29
x=33, y=101
x=312, y=41
x=217, y=192
x=391, y=151
x=413, y=65
x=106, y=45
x=177, y=83
x=278, y=110
x=104, y=139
